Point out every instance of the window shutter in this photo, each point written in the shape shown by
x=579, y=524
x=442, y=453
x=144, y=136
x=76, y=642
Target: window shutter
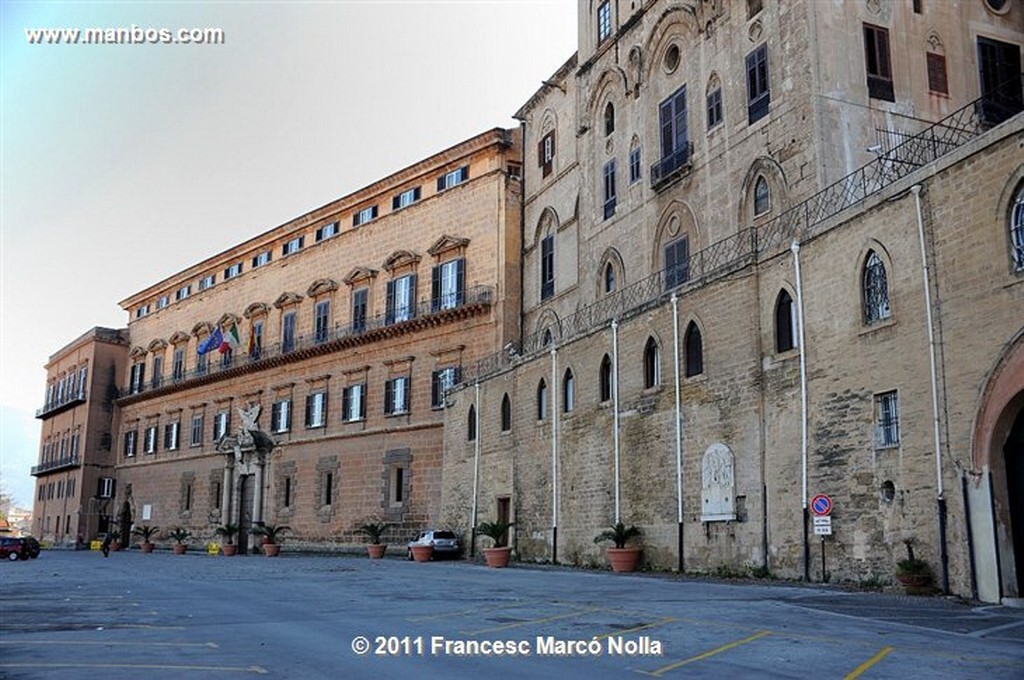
x=309, y=410
x=346, y=403
x=540, y=153
x=440, y=184
x=373, y=212
x=435, y=388
x=323, y=409
x=275, y=416
x=435, y=288
x=412, y=296
x=362, y=400
x=167, y=436
x=416, y=194
x=389, y=316
x=389, y=395
x=395, y=205
x=670, y=266
x=320, y=234
x=460, y=281
x=406, y=394
x=355, y=219
x=464, y=173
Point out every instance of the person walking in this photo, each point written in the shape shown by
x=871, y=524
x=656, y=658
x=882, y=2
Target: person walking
x=106, y=544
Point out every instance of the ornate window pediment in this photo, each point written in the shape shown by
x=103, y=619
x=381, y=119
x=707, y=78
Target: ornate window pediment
x=202, y=328
x=137, y=352
x=321, y=286
x=179, y=337
x=359, y=274
x=256, y=309
x=228, y=318
x=448, y=243
x=157, y=345
x=287, y=299
x=400, y=258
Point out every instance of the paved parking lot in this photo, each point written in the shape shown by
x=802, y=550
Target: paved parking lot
x=77, y=615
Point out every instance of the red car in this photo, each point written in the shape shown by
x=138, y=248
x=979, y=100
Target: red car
x=18, y=548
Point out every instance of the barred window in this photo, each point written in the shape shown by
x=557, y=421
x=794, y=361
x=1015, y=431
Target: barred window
x=1017, y=231
x=876, y=290
x=887, y=420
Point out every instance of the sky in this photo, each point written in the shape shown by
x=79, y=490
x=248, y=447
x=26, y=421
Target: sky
x=121, y=164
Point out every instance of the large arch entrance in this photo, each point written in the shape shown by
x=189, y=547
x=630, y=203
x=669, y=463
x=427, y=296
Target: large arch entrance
x=1013, y=458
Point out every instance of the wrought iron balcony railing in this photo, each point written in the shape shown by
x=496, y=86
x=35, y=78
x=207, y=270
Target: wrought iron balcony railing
x=671, y=166
x=55, y=406
x=57, y=464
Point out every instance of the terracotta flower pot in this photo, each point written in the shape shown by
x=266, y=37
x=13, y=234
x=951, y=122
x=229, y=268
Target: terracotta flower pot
x=422, y=553
x=271, y=549
x=179, y=548
x=229, y=550
x=623, y=560
x=498, y=558
x=376, y=550
x=115, y=546
x=147, y=547
x=915, y=584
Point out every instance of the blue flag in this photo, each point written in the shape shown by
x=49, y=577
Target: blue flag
x=212, y=341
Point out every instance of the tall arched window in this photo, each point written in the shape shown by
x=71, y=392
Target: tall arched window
x=694, y=351
x=652, y=370
x=542, y=399
x=506, y=414
x=876, y=289
x=609, y=119
x=762, y=197
x=609, y=278
x=471, y=424
x=1017, y=231
x=568, y=391
x=605, y=378
x=785, y=323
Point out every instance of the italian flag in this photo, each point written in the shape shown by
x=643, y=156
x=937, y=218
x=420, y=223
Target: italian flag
x=231, y=339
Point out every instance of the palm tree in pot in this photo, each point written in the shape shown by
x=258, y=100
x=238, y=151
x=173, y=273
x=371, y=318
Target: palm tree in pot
x=623, y=559
x=271, y=533
x=374, y=530
x=180, y=536
x=499, y=555
x=228, y=531
x=914, y=574
x=146, y=532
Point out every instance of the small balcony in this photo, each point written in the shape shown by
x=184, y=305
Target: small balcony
x=55, y=465
x=56, y=407
x=672, y=166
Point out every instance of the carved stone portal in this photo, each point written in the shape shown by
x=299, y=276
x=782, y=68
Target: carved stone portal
x=718, y=486
x=248, y=456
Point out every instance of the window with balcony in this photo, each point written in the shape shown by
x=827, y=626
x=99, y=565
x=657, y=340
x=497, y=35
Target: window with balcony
x=675, y=138
x=878, y=66
x=360, y=305
x=448, y=285
x=677, y=263
x=322, y=321
x=441, y=382
x=759, y=94
x=288, y=332
x=137, y=377
x=401, y=302
x=178, y=368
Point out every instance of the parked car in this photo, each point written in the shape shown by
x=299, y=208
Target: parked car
x=446, y=543
x=12, y=549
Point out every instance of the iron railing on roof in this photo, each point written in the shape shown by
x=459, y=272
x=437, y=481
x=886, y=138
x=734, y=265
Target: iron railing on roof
x=805, y=219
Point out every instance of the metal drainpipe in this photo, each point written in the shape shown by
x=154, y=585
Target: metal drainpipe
x=615, y=408
x=940, y=494
x=476, y=473
x=679, y=428
x=795, y=249
x=554, y=456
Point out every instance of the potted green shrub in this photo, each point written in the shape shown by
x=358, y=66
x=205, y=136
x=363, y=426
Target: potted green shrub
x=913, y=574
x=228, y=531
x=499, y=555
x=623, y=559
x=374, y=530
x=271, y=533
x=146, y=532
x=180, y=536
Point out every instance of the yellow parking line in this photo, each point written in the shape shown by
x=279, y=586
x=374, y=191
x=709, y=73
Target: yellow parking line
x=625, y=631
x=163, y=667
x=111, y=643
x=718, y=650
x=861, y=669
x=530, y=622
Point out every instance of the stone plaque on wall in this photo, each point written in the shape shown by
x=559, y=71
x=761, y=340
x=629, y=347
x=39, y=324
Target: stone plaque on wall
x=718, y=485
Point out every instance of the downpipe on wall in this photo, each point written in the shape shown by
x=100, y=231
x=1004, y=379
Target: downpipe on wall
x=679, y=429
x=795, y=249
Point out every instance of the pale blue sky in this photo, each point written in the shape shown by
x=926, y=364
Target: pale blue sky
x=122, y=164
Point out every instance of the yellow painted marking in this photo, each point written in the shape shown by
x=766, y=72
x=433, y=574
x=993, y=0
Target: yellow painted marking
x=718, y=650
x=517, y=624
x=863, y=668
x=625, y=631
x=162, y=667
x=209, y=645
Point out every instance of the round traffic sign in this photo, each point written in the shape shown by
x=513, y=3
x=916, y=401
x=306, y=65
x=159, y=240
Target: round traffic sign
x=821, y=505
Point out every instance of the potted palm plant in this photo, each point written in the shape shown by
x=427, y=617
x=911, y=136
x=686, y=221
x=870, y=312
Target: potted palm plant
x=913, y=574
x=497, y=556
x=228, y=531
x=623, y=559
x=180, y=536
x=115, y=540
x=374, y=530
x=271, y=533
x=146, y=532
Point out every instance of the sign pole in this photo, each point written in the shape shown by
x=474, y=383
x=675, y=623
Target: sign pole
x=823, y=559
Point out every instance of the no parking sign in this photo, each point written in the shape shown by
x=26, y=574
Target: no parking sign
x=821, y=505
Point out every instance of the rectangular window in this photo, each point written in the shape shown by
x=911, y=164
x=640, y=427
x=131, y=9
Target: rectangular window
x=397, y=485
x=188, y=497
x=401, y=304
x=604, y=21
x=677, y=263
x=448, y=285
x=887, y=420
x=151, y=439
x=876, y=57
x=129, y=443
x=226, y=358
x=74, y=445
x=715, y=108
x=610, y=197
x=142, y=311
x=233, y=271
x=365, y=215
x=262, y=259
x=203, y=363
x=158, y=371
x=256, y=344
x=197, y=430
x=287, y=492
x=171, y=434
x=328, y=487
x=83, y=375
x=937, y=81
x=353, y=400
x=293, y=246
x=441, y=382
x=207, y=281
x=327, y=231
x=322, y=321
x=546, y=153
x=179, y=364
x=163, y=301
x=360, y=302
x=453, y=178
x=547, y=267
x=759, y=94
x=316, y=409
x=396, y=396
x=288, y=332
x=183, y=292
x=221, y=424
x=138, y=374
x=105, y=488
x=634, y=165
x=999, y=71
x=281, y=416
x=674, y=137
x=405, y=199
